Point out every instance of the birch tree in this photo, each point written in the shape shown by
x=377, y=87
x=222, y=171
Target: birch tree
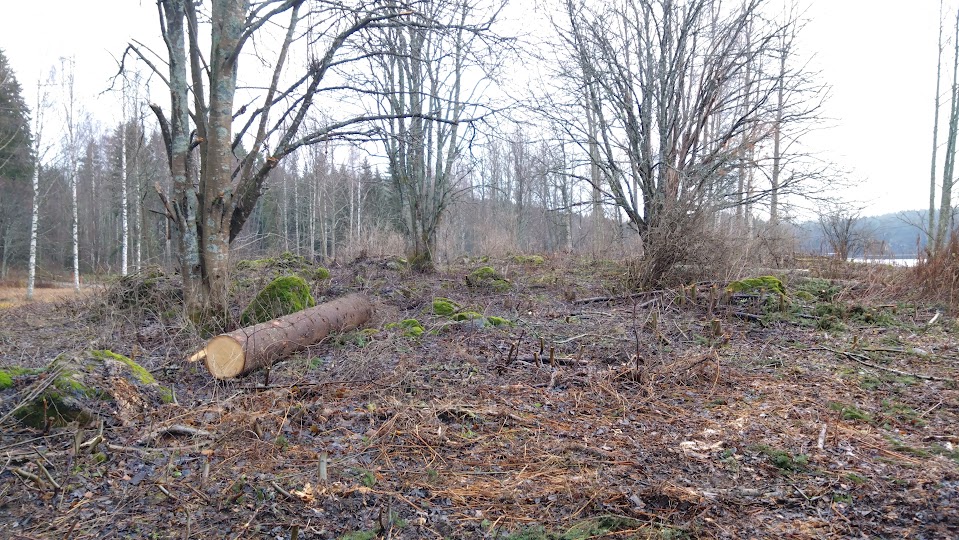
x=71, y=148
x=39, y=151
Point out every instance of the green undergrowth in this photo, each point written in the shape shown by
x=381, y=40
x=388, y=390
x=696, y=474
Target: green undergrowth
x=534, y=260
x=783, y=460
x=850, y=412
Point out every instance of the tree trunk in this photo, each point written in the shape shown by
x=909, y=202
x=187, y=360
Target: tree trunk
x=247, y=349
x=945, y=206
x=124, y=198
x=930, y=232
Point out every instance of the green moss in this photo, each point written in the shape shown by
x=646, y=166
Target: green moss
x=818, y=288
x=398, y=264
x=598, y=527
x=850, y=412
x=359, y=535
x=137, y=370
x=499, y=321
x=54, y=406
x=410, y=327
x=8, y=374
x=283, y=296
x=166, y=394
x=529, y=259
x=758, y=284
x=444, y=306
x=783, y=460
x=467, y=316
x=485, y=277
x=321, y=274
x=855, y=478
x=829, y=322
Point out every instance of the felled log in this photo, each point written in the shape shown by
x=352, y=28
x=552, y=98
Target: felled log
x=248, y=349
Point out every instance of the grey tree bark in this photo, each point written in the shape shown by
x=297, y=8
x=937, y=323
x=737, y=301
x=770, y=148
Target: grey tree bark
x=931, y=228
x=948, y=170
x=211, y=209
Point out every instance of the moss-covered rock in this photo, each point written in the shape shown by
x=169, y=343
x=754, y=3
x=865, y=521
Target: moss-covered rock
x=498, y=321
x=445, y=307
x=284, y=264
x=468, y=316
x=485, y=277
x=761, y=284
x=283, y=296
x=97, y=384
x=397, y=264
x=479, y=320
x=534, y=260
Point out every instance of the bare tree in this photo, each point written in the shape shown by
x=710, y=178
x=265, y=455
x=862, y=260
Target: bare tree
x=216, y=184
x=935, y=139
x=679, y=100
x=842, y=230
x=421, y=71
x=939, y=233
x=71, y=147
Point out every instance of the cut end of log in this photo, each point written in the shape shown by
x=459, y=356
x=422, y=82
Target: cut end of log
x=224, y=357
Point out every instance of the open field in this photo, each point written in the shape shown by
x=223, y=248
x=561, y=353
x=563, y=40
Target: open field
x=17, y=296
x=694, y=412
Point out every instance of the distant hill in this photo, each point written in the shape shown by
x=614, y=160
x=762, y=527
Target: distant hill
x=899, y=230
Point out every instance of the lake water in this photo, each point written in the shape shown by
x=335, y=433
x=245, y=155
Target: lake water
x=893, y=262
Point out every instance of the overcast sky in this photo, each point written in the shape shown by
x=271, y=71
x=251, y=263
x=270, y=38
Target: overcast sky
x=879, y=57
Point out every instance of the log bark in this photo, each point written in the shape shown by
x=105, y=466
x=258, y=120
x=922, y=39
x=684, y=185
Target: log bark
x=248, y=349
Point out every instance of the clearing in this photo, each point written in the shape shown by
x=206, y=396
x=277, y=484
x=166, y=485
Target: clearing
x=704, y=411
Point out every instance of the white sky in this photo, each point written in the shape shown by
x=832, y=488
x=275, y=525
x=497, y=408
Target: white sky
x=879, y=56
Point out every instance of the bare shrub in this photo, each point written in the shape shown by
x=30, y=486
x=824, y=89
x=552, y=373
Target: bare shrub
x=375, y=242
x=938, y=274
x=684, y=246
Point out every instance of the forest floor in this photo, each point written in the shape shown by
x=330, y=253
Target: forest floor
x=831, y=412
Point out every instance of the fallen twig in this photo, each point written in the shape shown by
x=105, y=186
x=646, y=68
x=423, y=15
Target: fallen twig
x=176, y=429
x=595, y=299
x=865, y=361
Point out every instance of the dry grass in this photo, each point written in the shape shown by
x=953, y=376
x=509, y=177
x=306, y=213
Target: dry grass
x=11, y=297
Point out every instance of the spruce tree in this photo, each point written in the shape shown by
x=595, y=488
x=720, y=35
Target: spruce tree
x=16, y=168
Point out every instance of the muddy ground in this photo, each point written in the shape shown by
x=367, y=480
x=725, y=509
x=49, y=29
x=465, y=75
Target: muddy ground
x=830, y=412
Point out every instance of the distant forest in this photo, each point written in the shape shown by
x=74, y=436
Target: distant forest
x=897, y=234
